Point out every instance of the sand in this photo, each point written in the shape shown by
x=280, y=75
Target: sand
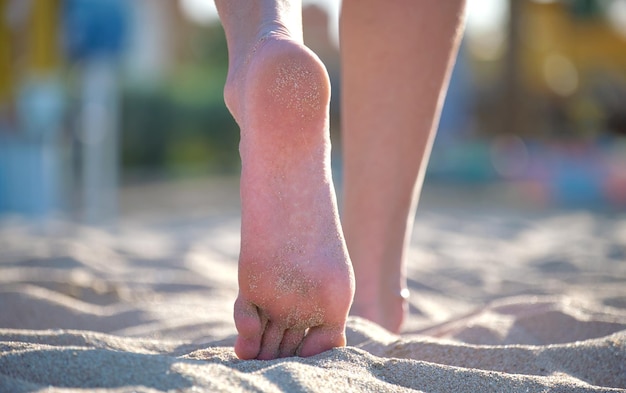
x=500, y=302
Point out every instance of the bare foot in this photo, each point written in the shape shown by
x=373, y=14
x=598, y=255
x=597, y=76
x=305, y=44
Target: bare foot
x=295, y=278
x=381, y=293
x=377, y=244
x=385, y=306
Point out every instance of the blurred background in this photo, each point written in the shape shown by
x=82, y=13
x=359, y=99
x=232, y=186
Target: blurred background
x=109, y=107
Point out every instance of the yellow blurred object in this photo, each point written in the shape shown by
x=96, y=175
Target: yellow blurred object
x=560, y=51
x=44, y=53
x=37, y=37
x=6, y=72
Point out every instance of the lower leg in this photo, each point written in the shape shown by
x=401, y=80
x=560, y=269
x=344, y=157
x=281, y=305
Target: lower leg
x=295, y=278
x=396, y=62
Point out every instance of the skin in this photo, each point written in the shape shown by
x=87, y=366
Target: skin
x=295, y=277
x=397, y=62
x=296, y=280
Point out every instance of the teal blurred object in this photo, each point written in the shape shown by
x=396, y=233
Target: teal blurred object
x=94, y=27
x=30, y=178
x=31, y=170
x=463, y=162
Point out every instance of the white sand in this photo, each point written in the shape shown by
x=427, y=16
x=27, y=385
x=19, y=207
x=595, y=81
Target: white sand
x=498, y=303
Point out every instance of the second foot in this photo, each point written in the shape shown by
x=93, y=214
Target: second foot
x=388, y=311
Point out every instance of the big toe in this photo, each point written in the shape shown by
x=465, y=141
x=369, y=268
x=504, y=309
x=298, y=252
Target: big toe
x=250, y=328
x=322, y=338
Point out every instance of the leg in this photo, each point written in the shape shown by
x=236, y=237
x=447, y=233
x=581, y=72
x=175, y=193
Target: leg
x=396, y=65
x=295, y=277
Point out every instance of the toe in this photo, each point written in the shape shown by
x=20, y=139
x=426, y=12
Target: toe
x=250, y=327
x=272, y=338
x=291, y=341
x=322, y=338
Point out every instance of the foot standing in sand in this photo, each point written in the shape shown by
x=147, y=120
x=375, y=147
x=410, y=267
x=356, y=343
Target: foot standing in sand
x=296, y=280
